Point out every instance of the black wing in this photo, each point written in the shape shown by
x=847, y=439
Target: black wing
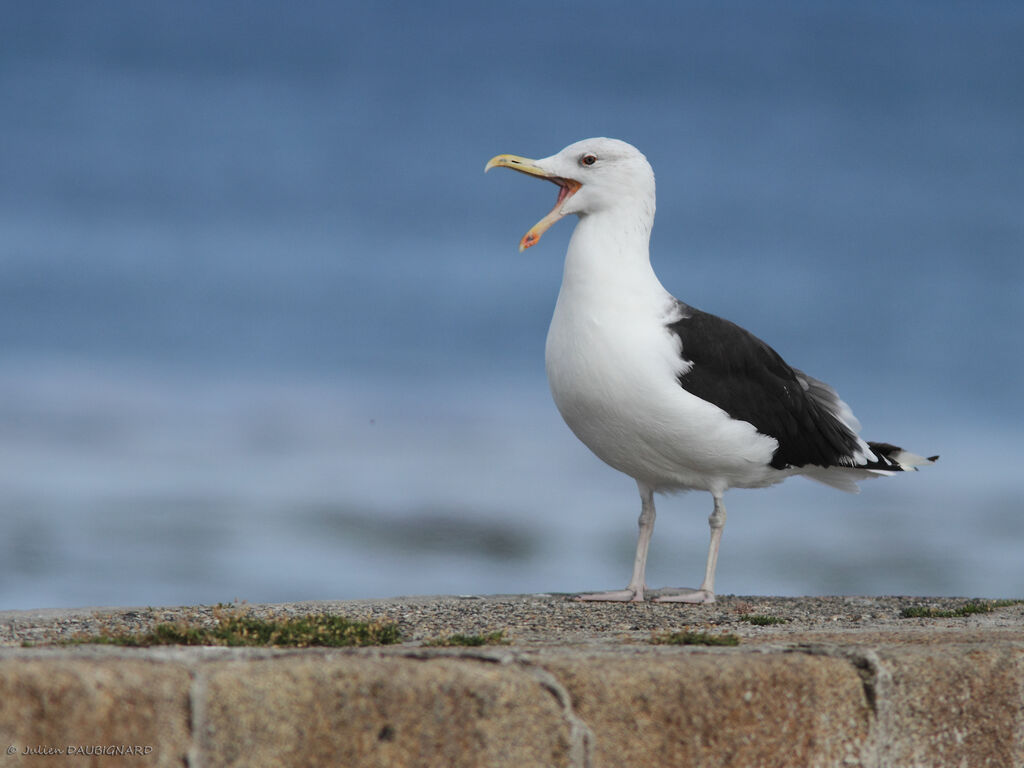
x=751, y=382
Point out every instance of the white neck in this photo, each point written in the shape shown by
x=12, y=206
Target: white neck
x=609, y=253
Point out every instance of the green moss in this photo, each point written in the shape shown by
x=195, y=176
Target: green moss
x=240, y=628
x=969, y=608
x=761, y=620
x=491, y=638
x=694, y=638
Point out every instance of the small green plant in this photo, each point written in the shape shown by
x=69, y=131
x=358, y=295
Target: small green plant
x=693, y=638
x=761, y=620
x=969, y=608
x=491, y=638
x=234, y=627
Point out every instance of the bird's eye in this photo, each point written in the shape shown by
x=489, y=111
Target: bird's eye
x=588, y=159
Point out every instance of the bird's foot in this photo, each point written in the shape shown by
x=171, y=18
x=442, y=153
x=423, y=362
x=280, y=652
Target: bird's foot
x=687, y=596
x=617, y=596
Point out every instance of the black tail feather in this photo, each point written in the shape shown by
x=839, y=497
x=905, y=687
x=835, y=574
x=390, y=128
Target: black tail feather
x=888, y=455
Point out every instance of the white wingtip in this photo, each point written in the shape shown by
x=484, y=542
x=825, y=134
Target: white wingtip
x=911, y=461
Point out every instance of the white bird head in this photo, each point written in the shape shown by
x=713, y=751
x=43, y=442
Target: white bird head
x=593, y=175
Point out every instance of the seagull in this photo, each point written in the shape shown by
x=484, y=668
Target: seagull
x=676, y=398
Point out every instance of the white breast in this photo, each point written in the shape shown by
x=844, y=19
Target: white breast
x=613, y=365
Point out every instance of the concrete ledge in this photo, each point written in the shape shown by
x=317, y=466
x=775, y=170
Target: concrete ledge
x=845, y=682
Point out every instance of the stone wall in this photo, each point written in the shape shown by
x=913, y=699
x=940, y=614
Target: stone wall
x=942, y=697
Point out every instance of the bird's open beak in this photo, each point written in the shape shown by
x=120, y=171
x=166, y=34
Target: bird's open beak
x=566, y=189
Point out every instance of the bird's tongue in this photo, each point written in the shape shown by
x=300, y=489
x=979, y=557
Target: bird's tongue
x=566, y=189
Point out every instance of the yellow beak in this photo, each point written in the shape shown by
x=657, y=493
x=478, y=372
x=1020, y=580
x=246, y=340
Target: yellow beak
x=567, y=188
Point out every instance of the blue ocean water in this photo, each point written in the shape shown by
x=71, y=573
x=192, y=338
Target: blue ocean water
x=265, y=335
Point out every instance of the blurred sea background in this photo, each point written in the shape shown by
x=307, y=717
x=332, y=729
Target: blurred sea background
x=265, y=334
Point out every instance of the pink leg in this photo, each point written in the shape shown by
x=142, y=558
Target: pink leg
x=706, y=593
x=634, y=592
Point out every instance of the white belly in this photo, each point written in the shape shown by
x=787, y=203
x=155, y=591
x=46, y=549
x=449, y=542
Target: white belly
x=613, y=374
